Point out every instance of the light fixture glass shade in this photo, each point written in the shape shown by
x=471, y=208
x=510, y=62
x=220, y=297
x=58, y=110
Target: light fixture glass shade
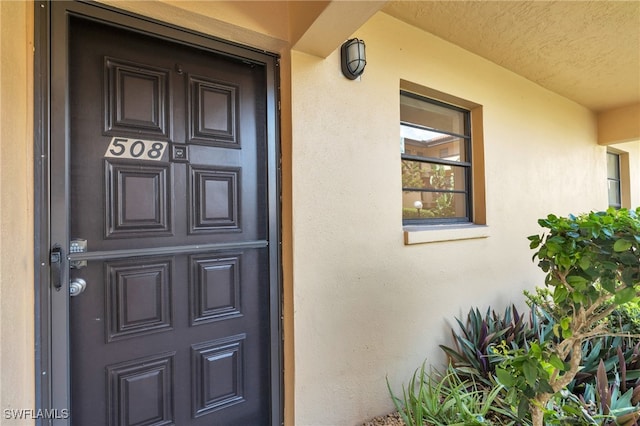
x=353, y=58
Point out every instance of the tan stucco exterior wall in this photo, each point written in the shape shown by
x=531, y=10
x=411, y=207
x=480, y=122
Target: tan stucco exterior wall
x=16, y=210
x=366, y=305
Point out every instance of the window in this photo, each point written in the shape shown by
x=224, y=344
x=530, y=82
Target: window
x=435, y=143
x=613, y=180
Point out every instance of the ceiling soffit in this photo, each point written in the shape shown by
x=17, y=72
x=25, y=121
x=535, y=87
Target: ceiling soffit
x=587, y=51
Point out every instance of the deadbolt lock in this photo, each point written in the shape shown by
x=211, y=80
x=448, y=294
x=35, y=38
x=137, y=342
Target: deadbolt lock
x=77, y=246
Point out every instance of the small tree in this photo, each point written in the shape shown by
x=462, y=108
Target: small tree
x=592, y=264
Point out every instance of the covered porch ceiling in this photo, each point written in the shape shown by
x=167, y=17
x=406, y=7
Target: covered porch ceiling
x=587, y=51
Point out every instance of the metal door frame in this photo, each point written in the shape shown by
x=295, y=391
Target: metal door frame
x=51, y=152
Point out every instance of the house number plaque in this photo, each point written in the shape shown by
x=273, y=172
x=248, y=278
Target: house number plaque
x=136, y=149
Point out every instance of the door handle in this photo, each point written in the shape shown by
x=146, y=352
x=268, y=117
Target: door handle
x=55, y=260
x=77, y=286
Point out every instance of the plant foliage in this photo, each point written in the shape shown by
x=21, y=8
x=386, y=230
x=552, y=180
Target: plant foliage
x=447, y=399
x=472, y=352
x=592, y=266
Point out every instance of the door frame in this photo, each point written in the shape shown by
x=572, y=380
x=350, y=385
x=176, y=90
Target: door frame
x=51, y=152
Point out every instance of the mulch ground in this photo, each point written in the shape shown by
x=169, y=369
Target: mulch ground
x=392, y=419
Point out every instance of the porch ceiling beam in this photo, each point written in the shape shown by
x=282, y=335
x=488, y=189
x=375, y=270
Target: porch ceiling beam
x=619, y=125
x=334, y=22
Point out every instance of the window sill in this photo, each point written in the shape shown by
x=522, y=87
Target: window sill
x=440, y=233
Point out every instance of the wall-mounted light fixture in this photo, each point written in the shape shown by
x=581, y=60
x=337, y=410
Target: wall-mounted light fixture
x=353, y=58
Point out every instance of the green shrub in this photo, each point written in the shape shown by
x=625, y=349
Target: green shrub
x=592, y=266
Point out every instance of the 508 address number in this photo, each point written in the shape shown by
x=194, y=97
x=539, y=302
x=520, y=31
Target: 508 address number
x=136, y=149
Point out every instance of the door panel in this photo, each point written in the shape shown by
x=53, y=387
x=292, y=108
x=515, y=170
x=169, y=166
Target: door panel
x=168, y=186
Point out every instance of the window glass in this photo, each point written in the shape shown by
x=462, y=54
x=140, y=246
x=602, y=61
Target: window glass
x=614, y=193
x=436, y=161
x=613, y=166
x=432, y=177
x=428, y=143
x=431, y=115
x=613, y=180
x=433, y=205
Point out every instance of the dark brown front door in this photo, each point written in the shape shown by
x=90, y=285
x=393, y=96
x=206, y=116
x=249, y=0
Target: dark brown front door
x=170, y=221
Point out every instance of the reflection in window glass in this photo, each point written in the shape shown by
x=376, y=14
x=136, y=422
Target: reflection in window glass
x=420, y=175
x=433, y=205
x=428, y=143
x=414, y=109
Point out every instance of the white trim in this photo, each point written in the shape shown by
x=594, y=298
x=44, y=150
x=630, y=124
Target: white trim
x=440, y=233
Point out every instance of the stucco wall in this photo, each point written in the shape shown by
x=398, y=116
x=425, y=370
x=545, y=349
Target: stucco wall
x=16, y=210
x=367, y=306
